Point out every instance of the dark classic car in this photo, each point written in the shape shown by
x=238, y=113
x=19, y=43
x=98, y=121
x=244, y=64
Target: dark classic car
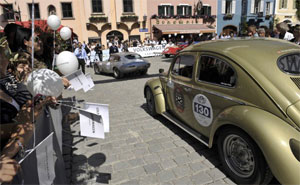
x=122, y=63
x=243, y=96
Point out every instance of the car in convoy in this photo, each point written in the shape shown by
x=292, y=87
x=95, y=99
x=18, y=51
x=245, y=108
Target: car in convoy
x=242, y=96
x=123, y=63
x=173, y=50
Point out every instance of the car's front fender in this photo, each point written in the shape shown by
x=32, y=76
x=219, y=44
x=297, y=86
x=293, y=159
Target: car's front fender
x=156, y=88
x=272, y=134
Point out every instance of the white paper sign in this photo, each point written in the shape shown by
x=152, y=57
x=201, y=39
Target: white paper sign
x=90, y=83
x=91, y=125
x=77, y=80
x=45, y=160
x=100, y=109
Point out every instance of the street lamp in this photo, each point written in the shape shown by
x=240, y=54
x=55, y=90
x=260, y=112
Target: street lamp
x=145, y=18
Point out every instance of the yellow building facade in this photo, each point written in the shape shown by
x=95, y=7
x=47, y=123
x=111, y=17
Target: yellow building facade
x=285, y=10
x=91, y=20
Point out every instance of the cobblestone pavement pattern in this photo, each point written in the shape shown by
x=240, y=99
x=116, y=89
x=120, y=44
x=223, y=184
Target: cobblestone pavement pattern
x=139, y=149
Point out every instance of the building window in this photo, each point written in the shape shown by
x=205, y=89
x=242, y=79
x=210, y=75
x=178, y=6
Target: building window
x=8, y=11
x=51, y=10
x=184, y=10
x=97, y=6
x=205, y=10
x=67, y=10
x=128, y=5
x=228, y=7
x=257, y=6
x=283, y=4
x=166, y=10
x=36, y=11
x=268, y=8
x=295, y=4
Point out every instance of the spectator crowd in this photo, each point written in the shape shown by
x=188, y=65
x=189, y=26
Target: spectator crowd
x=18, y=107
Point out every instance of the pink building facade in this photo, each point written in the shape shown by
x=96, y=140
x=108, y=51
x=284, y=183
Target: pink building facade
x=181, y=19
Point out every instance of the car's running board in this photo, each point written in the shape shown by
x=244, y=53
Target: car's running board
x=196, y=135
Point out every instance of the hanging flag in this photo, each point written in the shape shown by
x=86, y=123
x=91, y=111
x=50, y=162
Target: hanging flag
x=91, y=125
x=99, y=109
x=45, y=160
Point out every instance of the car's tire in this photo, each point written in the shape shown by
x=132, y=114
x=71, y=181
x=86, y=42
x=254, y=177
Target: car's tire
x=96, y=69
x=117, y=73
x=242, y=159
x=167, y=55
x=144, y=72
x=150, y=102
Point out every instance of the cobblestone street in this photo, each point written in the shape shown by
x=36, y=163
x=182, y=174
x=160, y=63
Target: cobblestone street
x=139, y=149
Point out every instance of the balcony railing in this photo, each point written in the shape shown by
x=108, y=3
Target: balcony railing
x=129, y=18
x=228, y=16
x=98, y=19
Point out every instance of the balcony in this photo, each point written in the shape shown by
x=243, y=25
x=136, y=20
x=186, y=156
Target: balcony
x=228, y=16
x=95, y=19
x=267, y=17
x=129, y=18
x=260, y=14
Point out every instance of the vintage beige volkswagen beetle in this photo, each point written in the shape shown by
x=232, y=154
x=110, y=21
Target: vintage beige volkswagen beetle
x=242, y=95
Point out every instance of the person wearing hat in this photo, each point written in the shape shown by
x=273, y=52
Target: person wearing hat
x=296, y=33
x=283, y=29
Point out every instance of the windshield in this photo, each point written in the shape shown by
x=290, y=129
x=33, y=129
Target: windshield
x=290, y=64
x=133, y=56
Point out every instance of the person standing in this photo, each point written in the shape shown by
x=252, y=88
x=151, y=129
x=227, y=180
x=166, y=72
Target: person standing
x=113, y=49
x=283, y=29
x=80, y=53
x=98, y=50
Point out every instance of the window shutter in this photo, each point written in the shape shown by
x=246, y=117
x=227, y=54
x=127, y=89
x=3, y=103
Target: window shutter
x=271, y=8
x=285, y=3
x=160, y=10
x=261, y=6
x=190, y=10
x=233, y=4
x=252, y=6
x=280, y=3
x=209, y=10
x=179, y=10
x=223, y=6
x=172, y=11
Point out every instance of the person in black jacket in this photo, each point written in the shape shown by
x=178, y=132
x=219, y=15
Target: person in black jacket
x=113, y=49
x=98, y=50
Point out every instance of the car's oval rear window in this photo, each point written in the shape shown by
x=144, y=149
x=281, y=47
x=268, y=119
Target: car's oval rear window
x=290, y=64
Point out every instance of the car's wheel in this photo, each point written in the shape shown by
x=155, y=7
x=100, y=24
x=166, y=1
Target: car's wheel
x=117, y=73
x=167, y=55
x=96, y=69
x=242, y=159
x=150, y=102
x=144, y=72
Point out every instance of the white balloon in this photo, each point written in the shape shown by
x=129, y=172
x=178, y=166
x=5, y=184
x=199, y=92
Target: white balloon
x=67, y=62
x=54, y=22
x=45, y=82
x=65, y=33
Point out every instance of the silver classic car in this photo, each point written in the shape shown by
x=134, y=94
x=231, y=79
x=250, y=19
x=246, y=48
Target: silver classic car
x=122, y=63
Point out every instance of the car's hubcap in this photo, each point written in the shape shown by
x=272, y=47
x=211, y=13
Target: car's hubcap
x=149, y=100
x=238, y=156
x=116, y=72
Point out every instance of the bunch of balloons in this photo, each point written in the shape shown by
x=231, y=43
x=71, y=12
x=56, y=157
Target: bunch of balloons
x=45, y=81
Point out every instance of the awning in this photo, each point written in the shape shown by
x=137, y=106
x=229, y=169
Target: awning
x=184, y=28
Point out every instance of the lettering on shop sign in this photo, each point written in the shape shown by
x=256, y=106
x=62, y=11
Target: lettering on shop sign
x=290, y=64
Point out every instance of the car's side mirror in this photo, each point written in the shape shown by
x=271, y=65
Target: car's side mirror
x=161, y=70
